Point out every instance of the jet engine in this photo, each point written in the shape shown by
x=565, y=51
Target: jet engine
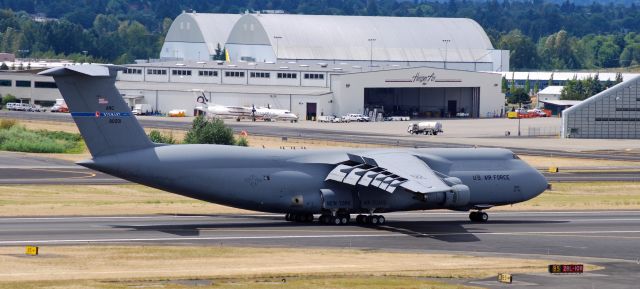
x=459, y=196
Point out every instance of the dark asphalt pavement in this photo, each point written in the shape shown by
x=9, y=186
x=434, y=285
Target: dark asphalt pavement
x=607, y=238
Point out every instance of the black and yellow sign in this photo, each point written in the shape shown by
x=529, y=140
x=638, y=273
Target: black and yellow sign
x=566, y=269
x=505, y=278
x=32, y=250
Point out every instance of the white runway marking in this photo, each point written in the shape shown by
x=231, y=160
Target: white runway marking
x=193, y=239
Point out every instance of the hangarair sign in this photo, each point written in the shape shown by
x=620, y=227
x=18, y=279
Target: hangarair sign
x=422, y=78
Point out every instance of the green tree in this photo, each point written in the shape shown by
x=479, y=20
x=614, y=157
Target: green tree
x=204, y=131
x=519, y=96
x=8, y=98
x=527, y=85
x=618, y=77
x=523, y=53
x=505, y=84
x=219, y=53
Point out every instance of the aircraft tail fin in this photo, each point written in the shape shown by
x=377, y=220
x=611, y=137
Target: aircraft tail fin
x=101, y=114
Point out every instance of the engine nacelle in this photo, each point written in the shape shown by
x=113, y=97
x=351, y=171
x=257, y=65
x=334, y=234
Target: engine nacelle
x=452, y=181
x=459, y=196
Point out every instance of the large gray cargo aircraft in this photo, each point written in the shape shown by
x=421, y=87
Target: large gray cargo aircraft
x=298, y=183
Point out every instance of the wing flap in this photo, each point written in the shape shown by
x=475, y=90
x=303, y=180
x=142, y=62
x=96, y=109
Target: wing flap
x=388, y=171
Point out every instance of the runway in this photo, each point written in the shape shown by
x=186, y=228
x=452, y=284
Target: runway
x=608, y=238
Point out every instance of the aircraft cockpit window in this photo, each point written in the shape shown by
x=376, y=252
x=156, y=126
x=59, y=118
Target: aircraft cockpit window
x=515, y=157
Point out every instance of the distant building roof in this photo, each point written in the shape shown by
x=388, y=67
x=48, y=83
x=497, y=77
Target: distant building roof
x=331, y=37
x=556, y=90
x=347, y=37
x=564, y=76
x=560, y=102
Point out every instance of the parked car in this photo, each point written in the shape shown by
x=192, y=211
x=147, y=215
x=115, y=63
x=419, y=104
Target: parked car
x=326, y=118
x=339, y=119
x=538, y=112
x=356, y=117
x=18, y=106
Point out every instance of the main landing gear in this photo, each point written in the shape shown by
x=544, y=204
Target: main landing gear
x=338, y=219
x=370, y=219
x=478, y=216
x=301, y=218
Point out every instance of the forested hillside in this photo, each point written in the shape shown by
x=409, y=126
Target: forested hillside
x=540, y=34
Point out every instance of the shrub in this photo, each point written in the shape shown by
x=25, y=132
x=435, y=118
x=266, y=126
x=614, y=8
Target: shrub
x=158, y=137
x=205, y=131
x=7, y=123
x=18, y=138
x=243, y=142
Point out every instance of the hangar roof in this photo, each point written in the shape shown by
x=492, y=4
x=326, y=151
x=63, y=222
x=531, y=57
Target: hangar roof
x=341, y=37
x=202, y=27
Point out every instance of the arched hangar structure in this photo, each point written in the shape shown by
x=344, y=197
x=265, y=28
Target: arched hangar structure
x=361, y=41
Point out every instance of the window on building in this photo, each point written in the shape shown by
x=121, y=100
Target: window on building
x=133, y=71
x=5, y=82
x=234, y=73
x=287, y=75
x=45, y=84
x=313, y=76
x=207, y=73
x=260, y=75
x=181, y=72
x=23, y=83
x=157, y=71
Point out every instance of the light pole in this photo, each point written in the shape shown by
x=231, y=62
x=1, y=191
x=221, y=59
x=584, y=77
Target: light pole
x=371, y=40
x=277, y=38
x=446, y=47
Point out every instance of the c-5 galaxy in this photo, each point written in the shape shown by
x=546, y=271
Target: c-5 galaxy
x=331, y=183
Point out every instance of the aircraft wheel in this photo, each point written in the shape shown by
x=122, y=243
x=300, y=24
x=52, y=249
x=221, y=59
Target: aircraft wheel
x=324, y=219
x=287, y=217
x=473, y=216
x=483, y=217
x=381, y=220
x=374, y=220
x=360, y=219
x=309, y=218
x=343, y=220
x=335, y=221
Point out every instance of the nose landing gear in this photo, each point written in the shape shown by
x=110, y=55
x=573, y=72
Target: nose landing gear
x=479, y=216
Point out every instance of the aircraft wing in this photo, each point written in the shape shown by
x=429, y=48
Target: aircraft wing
x=388, y=171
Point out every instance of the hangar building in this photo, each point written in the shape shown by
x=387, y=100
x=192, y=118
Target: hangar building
x=313, y=65
x=611, y=114
x=455, y=43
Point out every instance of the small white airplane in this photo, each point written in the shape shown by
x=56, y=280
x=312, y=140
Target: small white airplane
x=242, y=112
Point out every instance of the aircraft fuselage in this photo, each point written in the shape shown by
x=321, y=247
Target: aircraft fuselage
x=286, y=181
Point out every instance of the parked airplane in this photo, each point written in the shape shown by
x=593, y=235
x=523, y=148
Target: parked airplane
x=297, y=183
x=242, y=112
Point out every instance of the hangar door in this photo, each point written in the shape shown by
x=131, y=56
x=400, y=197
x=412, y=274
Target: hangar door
x=424, y=102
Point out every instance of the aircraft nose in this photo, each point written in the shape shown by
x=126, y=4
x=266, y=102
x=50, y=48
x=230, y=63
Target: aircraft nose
x=536, y=185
